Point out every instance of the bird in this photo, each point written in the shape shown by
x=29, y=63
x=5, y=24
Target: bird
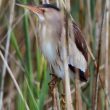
x=50, y=30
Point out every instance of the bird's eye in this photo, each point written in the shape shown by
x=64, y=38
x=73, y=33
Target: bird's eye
x=43, y=10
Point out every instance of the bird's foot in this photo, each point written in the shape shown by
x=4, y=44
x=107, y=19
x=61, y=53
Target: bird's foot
x=53, y=83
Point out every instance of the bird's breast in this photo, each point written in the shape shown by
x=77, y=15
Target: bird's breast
x=49, y=51
x=48, y=43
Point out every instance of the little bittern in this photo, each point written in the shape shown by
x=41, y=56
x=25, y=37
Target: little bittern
x=50, y=31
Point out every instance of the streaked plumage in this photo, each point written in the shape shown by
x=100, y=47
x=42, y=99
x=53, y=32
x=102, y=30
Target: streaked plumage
x=51, y=28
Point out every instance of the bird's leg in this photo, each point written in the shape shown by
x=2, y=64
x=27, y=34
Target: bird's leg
x=53, y=83
x=63, y=102
x=53, y=91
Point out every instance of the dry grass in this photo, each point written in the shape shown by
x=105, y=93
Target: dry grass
x=24, y=75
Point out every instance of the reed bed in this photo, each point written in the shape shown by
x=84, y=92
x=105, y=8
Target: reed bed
x=24, y=74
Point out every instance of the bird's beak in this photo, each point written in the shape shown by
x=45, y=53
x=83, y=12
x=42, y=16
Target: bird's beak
x=34, y=9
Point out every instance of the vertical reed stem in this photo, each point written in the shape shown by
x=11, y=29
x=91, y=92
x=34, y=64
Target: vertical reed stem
x=12, y=2
x=65, y=43
x=106, y=53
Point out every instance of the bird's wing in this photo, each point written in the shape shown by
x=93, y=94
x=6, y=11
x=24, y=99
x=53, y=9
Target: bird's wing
x=81, y=73
x=82, y=47
x=80, y=41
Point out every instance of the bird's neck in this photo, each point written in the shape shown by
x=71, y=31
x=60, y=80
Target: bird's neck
x=49, y=32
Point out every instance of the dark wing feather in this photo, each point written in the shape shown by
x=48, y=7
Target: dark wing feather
x=81, y=45
x=79, y=40
x=81, y=73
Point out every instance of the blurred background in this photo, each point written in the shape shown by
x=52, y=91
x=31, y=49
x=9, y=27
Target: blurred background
x=24, y=81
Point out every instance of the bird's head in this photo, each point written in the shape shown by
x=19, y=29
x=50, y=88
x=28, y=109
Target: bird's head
x=45, y=12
